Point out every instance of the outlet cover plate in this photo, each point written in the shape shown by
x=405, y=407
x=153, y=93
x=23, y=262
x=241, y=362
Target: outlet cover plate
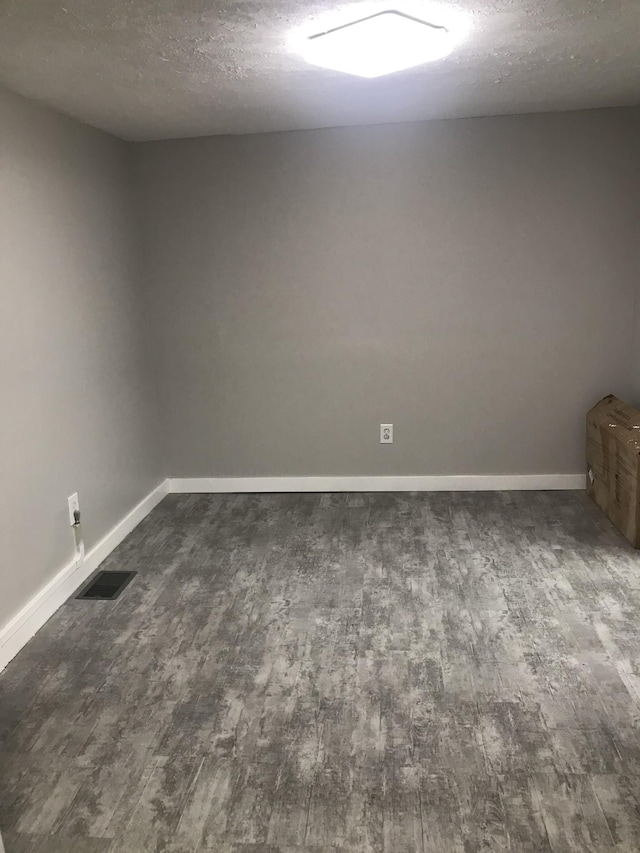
x=74, y=504
x=386, y=433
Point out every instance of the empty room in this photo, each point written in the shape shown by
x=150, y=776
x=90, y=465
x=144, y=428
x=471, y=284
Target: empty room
x=320, y=431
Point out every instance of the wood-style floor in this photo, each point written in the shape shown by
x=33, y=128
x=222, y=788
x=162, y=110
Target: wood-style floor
x=288, y=673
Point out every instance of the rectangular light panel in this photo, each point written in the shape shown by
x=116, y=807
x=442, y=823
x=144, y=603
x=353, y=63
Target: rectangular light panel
x=381, y=44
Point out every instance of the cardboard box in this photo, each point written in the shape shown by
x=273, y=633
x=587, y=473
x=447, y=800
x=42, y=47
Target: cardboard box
x=613, y=463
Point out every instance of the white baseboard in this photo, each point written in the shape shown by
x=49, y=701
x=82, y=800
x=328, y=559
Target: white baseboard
x=471, y=483
x=50, y=597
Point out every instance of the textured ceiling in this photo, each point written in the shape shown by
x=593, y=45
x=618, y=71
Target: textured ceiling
x=153, y=69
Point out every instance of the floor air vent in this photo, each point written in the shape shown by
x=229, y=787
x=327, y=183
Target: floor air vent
x=107, y=585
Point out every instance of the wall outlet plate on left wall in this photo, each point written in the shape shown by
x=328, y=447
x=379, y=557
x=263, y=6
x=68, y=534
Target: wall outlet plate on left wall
x=74, y=505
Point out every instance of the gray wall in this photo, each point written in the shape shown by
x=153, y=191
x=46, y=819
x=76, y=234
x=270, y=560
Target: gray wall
x=470, y=281
x=77, y=412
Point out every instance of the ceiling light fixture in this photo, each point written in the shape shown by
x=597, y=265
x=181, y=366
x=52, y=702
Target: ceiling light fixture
x=381, y=44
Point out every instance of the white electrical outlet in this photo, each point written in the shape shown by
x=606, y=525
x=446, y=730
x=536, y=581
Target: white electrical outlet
x=386, y=433
x=74, y=505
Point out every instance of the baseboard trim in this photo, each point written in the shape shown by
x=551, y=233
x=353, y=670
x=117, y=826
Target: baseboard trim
x=471, y=483
x=50, y=597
